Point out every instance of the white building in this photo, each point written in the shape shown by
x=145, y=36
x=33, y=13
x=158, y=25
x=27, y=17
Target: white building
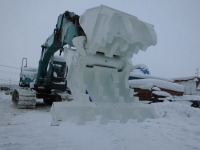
x=191, y=85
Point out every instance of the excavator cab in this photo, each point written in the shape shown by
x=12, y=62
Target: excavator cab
x=27, y=74
x=54, y=82
x=56, y=74
x=59, y=70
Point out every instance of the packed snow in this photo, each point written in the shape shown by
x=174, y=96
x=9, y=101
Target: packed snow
x=161, y=93
x=58, y=58
x=175, y=128
x=185, y=78
x=139, y=75
x=187, y=97
x=141, y=71
x=150, y=83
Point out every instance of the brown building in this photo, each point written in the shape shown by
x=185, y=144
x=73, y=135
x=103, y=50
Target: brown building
x=154, y=89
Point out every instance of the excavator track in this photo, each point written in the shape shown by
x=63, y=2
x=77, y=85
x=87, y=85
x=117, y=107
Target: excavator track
x=24, y=98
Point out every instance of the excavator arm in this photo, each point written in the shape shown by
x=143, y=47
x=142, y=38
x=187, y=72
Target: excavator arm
x=67, y=28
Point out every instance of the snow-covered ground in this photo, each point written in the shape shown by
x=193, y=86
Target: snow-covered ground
x=177, y=127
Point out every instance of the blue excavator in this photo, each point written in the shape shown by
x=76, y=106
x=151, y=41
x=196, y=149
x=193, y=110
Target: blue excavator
x=49, y=80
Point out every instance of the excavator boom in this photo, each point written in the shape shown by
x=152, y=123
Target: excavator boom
x=66, y=29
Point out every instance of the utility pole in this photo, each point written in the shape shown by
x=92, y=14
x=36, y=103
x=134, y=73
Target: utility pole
x=10, y=83
x=197, y=72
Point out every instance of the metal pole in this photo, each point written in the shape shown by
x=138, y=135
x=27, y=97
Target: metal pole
x=197, y=73
x=10, y=83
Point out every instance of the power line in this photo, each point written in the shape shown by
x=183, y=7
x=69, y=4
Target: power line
x=3, y=80
x=10, y=73
x=6, y=80
x=9, y=67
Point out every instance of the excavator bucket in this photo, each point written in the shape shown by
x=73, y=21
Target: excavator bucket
x=99, y=68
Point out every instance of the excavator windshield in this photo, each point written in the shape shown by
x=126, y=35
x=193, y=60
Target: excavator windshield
x=59, y=70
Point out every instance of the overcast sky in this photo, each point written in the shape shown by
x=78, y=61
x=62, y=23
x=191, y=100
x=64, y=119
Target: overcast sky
x=26, y=24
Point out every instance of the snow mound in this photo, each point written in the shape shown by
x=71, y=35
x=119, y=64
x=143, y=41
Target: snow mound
x=162, y=93
x=58, y=58
x=150, y=83
x=185, y=78
x=140, y=66
x=176, y=110
x=139, y=75
x=7, y=109
x=187, y=97
x=140, y=69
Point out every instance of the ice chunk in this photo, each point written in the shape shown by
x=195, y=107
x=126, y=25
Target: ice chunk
x=103, y=25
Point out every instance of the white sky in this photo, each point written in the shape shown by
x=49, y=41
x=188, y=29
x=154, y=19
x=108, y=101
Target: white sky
x=26, y=24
